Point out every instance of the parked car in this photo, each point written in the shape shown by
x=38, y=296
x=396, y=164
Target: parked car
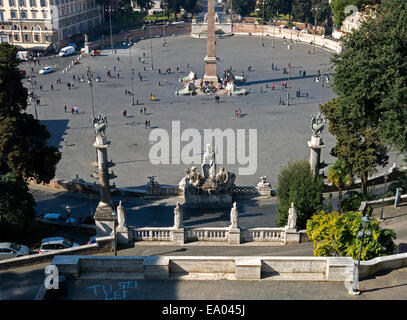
x=55, y=244
x=55, y=217
x=46, y=70
x=22, y=73
x=10, y=250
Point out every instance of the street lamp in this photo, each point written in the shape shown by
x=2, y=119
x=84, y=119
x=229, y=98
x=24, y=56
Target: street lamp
x=68, y=211
x=323, y=80
x=165, y=31
x=130, y=44
x=385, y=176
x=90, y=82
x=262, y=27
x=289, y=74
x=151, y=49
x=110, y=23
x=361, y=234
x=315, y=11
x=114, y=232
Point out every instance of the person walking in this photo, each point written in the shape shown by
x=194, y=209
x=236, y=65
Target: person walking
x=145, y=109
x=65, y=108
x=52, y=87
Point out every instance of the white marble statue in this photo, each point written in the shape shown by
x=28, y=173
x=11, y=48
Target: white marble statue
x=234, y=217
x=178, y=217
x=292, y=217
x=121, y=216
x=208, y=163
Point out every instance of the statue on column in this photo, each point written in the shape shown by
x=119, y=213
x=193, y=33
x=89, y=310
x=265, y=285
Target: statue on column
x=292, y=217
x=208, y=163
x=178, y=217
x=234, y=217
x=317, y=124
x=121, y=216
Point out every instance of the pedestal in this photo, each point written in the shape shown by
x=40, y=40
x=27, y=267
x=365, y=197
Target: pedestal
x=264, y=189
x=315, y=145
x=178, y=236
x=292, y=236
x=210, y=70
x=124, y=235
x=234, y=236
x=104, y=220
x=223, y=200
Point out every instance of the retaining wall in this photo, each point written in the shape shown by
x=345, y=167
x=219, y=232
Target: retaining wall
x=336, y=269
x=103, y=244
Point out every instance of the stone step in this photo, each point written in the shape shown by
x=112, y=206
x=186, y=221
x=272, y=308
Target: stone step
x=111, y=276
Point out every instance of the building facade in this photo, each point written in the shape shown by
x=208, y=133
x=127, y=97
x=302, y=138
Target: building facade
x=38, y=24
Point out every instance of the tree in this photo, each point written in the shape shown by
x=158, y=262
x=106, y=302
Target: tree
x=244, y=7
x=361, y=148
x=335, y=234
x=23, y=140
x=302, y=10
x=13, y=96
x=339, y=175
x=297, y=184
x=16, y=203
x=272, y=7
x=144, y=5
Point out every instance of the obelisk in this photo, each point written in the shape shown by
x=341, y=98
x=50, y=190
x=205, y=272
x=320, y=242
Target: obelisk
x=210, y=59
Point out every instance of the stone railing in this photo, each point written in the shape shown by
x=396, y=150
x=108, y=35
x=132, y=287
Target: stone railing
x=152, y=234
x=245, y=191
x=217, y=234
x=263, y=234
x=207, y=234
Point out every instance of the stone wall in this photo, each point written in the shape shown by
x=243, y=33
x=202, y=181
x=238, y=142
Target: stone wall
x=207, y=267
x=104, y=244
x=336, y=269
x=270, y=31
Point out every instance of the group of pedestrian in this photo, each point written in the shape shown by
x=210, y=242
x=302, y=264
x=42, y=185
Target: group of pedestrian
x=144, y=109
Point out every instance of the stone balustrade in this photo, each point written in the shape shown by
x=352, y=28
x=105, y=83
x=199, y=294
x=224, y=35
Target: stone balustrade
x=152, y=234
x=263, y=234
x=216, y=234
x=207, y=234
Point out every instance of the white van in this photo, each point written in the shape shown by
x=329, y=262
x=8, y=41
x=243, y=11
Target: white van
x=67, y=51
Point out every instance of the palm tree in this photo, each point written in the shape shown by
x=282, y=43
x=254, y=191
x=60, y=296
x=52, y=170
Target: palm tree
x=340, y=176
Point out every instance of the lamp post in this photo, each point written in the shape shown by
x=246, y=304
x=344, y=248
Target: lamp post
x=130, y=44
x=90, y=82
x=315, y=10
x=165, y=32
x=110, y=23
x=385, y=176
x=273, y=45
x=289, y=74
x=68, y=211
x=361, y=234
x=151, y=49
x=262, y=27
x=114, y=232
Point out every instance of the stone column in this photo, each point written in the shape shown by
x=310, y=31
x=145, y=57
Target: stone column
x=210, y=59
x=103, y=216
x=315, y=145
